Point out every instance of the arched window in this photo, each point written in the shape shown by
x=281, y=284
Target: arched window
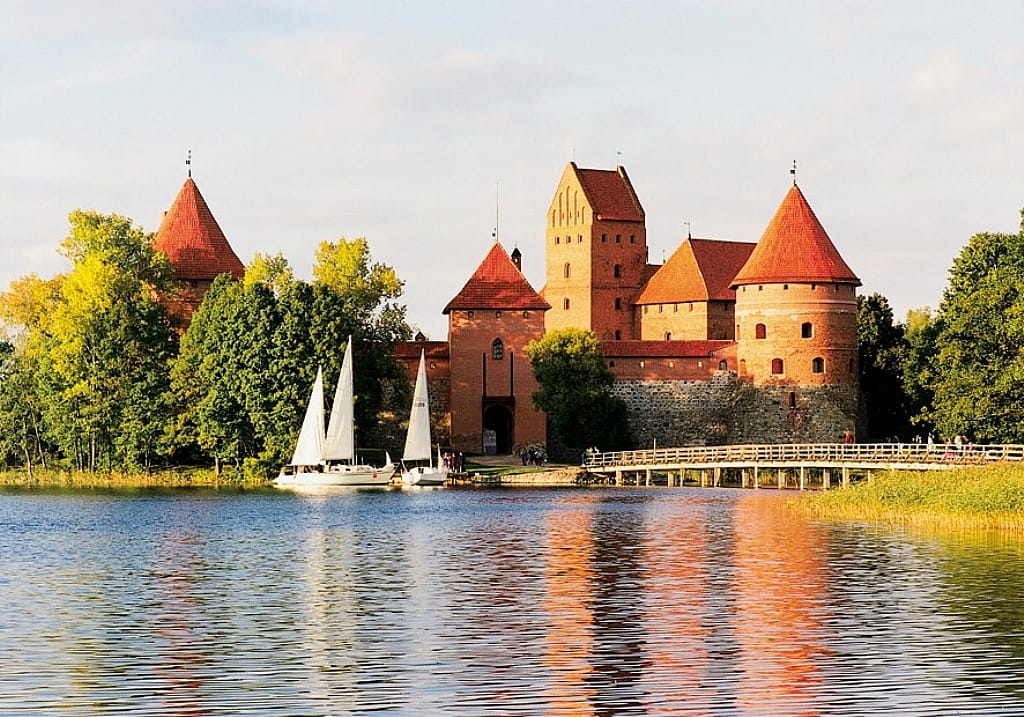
x=723, y=365
x=617, y=270
x=792, y=399
x=566, y=268
x=565, y=303
x=776, y=367
x=818, y=365
x=668, y=335
x=497, y=349
x=806, y=330
x=760, y=331
x=618, y=335
x=618, y=303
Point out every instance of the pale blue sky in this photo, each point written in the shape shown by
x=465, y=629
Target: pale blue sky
x=398, y=121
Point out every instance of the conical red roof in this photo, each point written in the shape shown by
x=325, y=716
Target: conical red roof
x=193, y=240
x=795, y=248
x=497, y=284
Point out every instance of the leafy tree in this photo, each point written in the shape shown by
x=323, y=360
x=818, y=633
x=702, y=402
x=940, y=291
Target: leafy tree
x=882, y=346
x=273, y=271
x=979, y=367
x=575, y=390
x=98, y=343
x=922, y=331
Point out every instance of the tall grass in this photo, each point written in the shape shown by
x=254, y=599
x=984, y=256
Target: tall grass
x=986, y=497
x=164, y=478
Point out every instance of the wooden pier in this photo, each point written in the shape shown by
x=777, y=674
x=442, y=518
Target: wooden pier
x=798, y=465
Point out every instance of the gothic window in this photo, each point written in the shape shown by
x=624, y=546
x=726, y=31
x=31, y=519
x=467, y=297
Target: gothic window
x=617, y=271
x=565, y=303
x=668, y=335
x=558, y=240
x=497, y=350
x=818, y=365
x=776, y=367
x=806, y=330
x=566, y=269
x=760, y=331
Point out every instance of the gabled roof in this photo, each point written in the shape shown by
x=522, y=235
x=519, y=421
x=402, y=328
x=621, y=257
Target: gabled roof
x=497, y=284
x=699, y=270
x=193, y=240
x=795, y=248
x=610, y=194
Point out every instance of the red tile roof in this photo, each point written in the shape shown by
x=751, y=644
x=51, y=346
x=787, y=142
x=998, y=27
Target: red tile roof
x=699, y=270
x=497, y=284
x=610, y=194
x=795, y=248
x=411, y=349
x=193, y=240
x=662, y=349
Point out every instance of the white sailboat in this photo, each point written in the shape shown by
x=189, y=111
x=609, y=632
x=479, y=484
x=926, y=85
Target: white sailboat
x=329, y=459
x=417, y=440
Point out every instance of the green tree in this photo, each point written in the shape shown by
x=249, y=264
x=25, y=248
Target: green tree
x=99, y=343
x=882, y=347
x=922, y=331
x=979, y=366
x=575, y=390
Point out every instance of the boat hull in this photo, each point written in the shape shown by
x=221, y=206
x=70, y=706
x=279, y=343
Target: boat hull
x=424, y=476
x=337, y=476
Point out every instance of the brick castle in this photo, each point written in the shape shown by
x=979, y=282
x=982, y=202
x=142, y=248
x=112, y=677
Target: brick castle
x=726, y=342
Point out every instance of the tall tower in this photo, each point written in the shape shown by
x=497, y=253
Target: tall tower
x=596, y=247
x=490, y=322
x=197, y=248
x=796, y=305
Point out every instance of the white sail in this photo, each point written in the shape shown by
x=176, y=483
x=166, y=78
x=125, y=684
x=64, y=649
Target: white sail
x=417, y=441
x=309, y=449
x=341, y=436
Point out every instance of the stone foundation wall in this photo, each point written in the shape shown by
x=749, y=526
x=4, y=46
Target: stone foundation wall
x=727, y=411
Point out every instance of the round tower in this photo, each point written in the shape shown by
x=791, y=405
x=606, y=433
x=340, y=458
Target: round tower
x=796, y=305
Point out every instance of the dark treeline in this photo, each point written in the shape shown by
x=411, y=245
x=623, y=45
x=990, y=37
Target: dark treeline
x=96, y=375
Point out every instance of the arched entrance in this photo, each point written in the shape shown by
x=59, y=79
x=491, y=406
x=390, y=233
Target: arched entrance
x=498, y=417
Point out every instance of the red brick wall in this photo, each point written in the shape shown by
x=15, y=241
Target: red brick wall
x=831, y=311
x=470, y=336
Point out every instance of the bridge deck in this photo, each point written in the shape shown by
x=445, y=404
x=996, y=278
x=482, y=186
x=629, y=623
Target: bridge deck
x=751, y=460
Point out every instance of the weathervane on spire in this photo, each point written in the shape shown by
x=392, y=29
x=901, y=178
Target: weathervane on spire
x=793, y=172
x=688, y=235
x=188, y=163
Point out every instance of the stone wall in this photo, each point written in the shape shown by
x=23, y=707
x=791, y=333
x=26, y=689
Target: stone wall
x=727, y=411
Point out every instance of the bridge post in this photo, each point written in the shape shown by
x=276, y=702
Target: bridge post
x=647, y=478
x=618, y=476
x=780, y=478
x=846, y=477
x=803, y=481
x=757, y=478
x=717, y=476
x=743, y=477
x=826, y=478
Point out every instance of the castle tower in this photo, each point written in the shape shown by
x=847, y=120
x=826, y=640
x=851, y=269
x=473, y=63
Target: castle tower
x=596, y=244
x=490, y=322
x=197, y=248
x=796, y=305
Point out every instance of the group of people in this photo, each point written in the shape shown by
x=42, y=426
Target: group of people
x=533, y=455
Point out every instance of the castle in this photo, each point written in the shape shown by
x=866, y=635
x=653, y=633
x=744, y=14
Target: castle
x=726, y=342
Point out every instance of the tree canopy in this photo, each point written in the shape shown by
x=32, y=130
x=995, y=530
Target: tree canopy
x=979, y=363
x=575, y=390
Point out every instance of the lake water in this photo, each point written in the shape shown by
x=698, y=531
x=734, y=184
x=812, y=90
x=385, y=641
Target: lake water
x=503, y=602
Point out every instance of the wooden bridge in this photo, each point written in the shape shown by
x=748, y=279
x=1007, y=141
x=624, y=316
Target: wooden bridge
x=803, y=465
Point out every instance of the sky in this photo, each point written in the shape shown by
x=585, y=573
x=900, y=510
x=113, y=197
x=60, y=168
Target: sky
x=422, y=126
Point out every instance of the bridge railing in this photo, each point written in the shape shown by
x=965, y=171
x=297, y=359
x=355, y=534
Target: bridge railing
x=811, y=453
